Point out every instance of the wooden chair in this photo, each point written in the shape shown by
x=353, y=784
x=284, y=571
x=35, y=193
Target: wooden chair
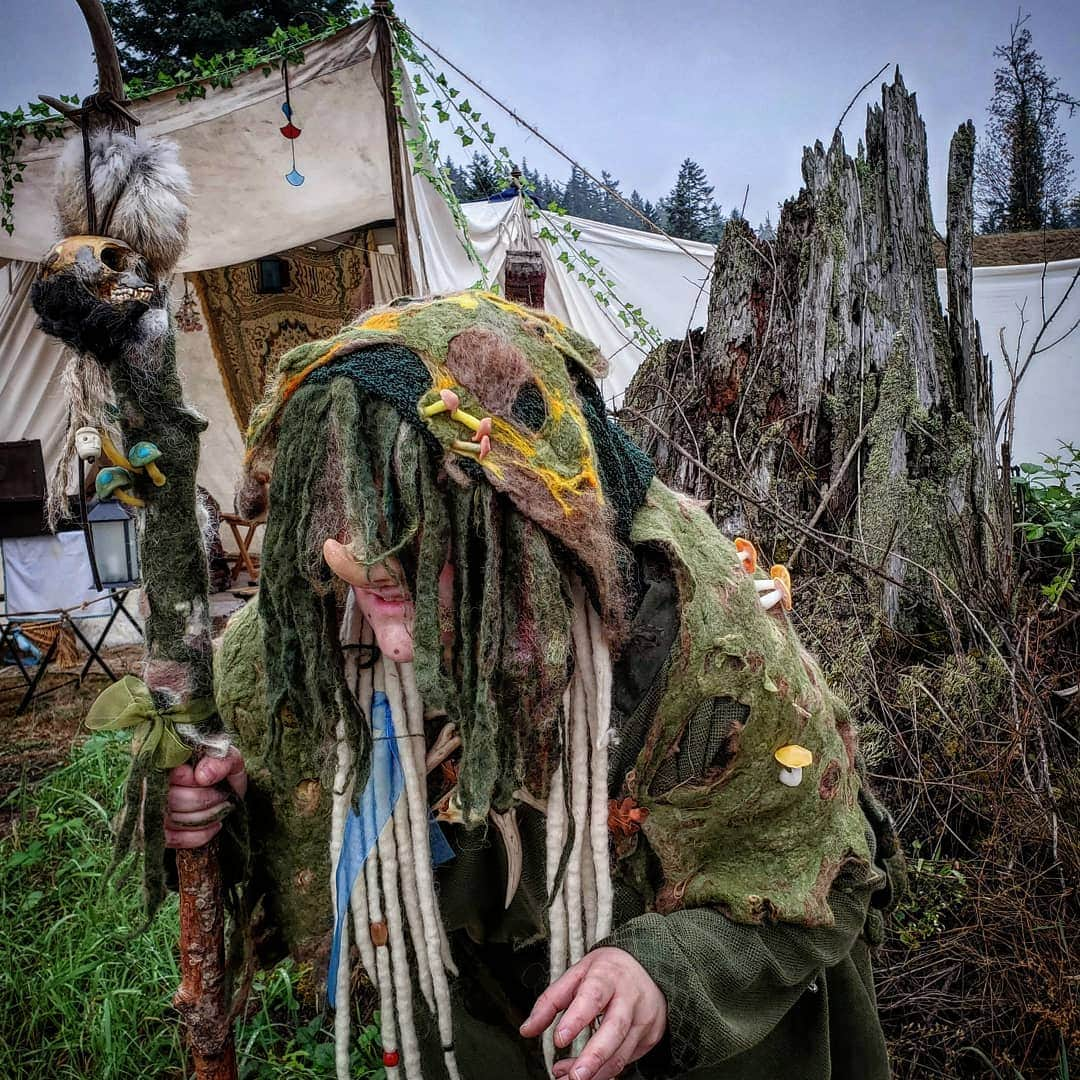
x=243, y=531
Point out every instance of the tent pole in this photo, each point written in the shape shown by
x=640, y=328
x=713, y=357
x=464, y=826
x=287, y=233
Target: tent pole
x=382, y=11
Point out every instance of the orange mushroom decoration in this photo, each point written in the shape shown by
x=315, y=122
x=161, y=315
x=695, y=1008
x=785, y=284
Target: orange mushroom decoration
x=747, y=553
x=776, y=589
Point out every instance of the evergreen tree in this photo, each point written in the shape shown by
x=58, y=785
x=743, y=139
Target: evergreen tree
x=164, y=35
x=689, y=210
x=638, y=203
x=581, y=197
x=1024, y=169
x=717, y=221
x=458, y=180
x=611, y=209
x=484, y=179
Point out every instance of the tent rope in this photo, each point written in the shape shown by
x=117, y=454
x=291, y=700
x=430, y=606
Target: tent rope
x=547, y=142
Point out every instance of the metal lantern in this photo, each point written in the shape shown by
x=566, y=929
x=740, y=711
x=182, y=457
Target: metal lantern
x=115, y=548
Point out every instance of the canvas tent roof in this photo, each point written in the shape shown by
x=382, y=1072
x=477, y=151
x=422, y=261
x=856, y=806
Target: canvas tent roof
x=242, y=209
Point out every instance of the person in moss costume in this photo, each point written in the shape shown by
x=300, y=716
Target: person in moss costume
x=653, y=849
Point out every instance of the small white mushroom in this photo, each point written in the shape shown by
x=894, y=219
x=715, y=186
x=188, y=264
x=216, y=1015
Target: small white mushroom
x=776, y=589
x=88, y=444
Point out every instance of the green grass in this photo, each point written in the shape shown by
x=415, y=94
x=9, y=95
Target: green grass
x=83, y=994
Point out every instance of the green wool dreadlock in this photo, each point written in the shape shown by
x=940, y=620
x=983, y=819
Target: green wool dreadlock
x=376, y=480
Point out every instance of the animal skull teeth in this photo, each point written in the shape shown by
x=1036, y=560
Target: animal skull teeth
x=123, y=293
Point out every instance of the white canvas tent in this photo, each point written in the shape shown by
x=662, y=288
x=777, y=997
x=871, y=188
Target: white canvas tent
x=242, y=208
x=1009, y=302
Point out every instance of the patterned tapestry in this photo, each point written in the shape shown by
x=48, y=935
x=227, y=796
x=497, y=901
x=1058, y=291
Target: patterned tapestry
x=249, y=330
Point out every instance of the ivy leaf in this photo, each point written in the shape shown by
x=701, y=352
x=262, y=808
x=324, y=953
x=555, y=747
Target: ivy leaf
x=466, y=140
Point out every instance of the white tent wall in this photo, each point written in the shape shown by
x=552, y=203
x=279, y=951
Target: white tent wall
x=221, y=451
x=241, y=206
x=648, y=271
x=32, y=404
x=1046, y=404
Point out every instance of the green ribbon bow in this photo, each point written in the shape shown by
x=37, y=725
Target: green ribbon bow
x=129, y=703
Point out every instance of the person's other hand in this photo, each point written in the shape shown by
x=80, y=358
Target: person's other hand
x=611, y=984
x=196, y=803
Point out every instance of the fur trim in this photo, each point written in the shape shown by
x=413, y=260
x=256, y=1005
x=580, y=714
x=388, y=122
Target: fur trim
x=144, y=185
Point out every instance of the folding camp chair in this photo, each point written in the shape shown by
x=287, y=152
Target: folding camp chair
x=243, y=559
x=66, y=618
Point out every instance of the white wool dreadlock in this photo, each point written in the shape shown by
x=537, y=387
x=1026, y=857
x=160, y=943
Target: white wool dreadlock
x=580, y=914
x=393, y=901
x=88, y=393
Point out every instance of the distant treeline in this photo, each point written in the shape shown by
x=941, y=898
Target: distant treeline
x=687, y=211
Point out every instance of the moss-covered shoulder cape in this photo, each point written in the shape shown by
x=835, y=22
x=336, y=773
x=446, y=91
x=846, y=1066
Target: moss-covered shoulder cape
x=739, y=840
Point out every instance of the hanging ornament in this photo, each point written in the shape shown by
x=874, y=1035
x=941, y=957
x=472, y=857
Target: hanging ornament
x=289, y=130
x=187, y=314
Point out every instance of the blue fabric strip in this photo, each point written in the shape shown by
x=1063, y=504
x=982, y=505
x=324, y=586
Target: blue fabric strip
x=363, y=827
x=385, y=783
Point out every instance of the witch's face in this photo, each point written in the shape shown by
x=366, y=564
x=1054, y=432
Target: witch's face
x=382, y=595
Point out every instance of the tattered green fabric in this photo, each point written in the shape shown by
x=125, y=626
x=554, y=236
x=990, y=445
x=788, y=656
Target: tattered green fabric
x=737, y=838
x=129, y=704
x=359, y=443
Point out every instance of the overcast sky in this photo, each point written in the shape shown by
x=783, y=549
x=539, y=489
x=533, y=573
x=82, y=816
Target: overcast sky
x=634, y=87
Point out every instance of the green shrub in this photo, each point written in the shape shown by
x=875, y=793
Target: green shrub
x=1049, y=504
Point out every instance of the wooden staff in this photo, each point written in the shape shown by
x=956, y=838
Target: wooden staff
x=171, y=519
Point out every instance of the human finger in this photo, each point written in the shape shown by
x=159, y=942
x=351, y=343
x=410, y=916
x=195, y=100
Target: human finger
x=182, y=776
x=213, y=770
x=610, y=1044
x=555, y=998
x=191, y=838
x=195, y=818
x=591, y=999
x=630, y=1051
x=185, y=800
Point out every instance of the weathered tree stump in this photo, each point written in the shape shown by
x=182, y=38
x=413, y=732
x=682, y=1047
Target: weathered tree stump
x=832, y=390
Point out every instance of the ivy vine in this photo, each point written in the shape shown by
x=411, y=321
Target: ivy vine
x=36, y=121
x=450, y=106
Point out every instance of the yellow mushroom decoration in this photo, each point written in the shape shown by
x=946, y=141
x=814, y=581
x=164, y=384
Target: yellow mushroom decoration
x=793, y=759
x=115, y=456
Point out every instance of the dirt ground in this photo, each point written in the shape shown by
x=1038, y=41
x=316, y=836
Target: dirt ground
x=40, y=739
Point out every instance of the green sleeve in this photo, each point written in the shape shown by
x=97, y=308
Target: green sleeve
x=728, y=985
